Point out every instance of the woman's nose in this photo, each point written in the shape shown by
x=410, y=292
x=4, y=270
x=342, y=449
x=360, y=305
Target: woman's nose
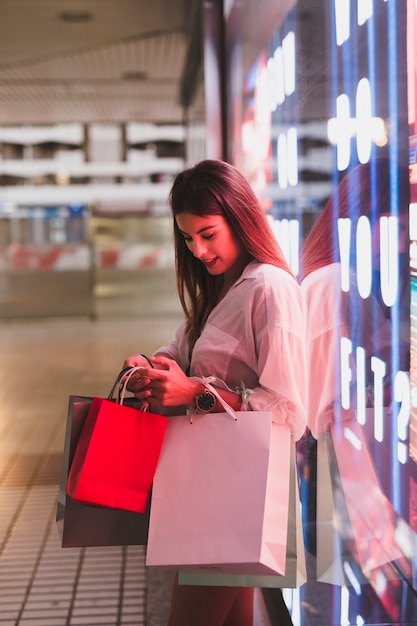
x=199, y=249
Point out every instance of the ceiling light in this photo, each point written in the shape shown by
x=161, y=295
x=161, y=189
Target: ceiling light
x=75, y=17
x=134, y=75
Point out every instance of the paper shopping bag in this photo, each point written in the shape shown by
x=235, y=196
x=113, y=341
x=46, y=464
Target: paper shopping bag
x=371, y=515
x=116, y=456
x=295, y=563
x=332, y=519
x=83, y=525
x=220, y=495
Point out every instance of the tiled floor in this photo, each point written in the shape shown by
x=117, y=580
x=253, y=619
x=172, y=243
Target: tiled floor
x=41, y=584
x=41, y=364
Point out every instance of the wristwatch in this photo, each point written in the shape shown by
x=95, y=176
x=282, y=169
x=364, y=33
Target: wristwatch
x=205, y=401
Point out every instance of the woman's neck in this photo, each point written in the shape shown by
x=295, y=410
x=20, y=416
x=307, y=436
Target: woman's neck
x=230, y=277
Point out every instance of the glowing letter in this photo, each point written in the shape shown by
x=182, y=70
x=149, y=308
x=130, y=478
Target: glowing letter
x=279, y=75
x=402, y=394
x=292, y=156
x=287, y=154
x=342, y=11
x=343, y=229
x=379, y=368
x=344, y=131
x=287, y=233
x=365, y=11
x=361, y=385
x=389, y=259
x=363, y=120
x=288, y=46
x=345, y=370
x=364, y=257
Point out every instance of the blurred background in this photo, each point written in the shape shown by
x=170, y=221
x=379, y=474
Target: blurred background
x=102, y=103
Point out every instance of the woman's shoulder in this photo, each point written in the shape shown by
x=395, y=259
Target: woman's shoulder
x=322, y=282
x=267, y=272
x=272, y=287
x=331, y=270
x=275, y=292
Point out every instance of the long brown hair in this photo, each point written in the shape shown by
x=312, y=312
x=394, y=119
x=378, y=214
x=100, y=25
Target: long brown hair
x=216, y=188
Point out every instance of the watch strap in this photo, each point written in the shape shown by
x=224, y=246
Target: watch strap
x=206, y=381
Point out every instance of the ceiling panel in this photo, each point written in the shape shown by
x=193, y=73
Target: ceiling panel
x=124, y=62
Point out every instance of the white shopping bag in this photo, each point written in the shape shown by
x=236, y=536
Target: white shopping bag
x=295, y=566
x=332, y=519
x=220, y=495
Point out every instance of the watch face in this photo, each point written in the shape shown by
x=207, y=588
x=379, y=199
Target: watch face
x=206, y=401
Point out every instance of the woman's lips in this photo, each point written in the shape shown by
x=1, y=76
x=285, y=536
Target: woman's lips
x=210, y=262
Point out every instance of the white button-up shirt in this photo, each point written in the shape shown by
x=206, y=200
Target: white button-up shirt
x=255, y=337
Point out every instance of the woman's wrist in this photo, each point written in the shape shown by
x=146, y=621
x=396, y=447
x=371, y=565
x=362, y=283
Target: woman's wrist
x=235, y=399
x=196, y=390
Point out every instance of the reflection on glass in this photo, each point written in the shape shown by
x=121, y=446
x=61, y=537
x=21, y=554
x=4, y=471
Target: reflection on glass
x=319, y=118
x=354, y=277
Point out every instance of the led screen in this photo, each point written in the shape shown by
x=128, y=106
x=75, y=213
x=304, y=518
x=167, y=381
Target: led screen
x=322, y=121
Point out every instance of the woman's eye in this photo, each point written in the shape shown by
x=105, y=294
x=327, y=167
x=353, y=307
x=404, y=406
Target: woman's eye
x=208, y=236
x=187, y=239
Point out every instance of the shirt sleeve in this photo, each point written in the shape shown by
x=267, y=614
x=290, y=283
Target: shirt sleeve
x=278, y=326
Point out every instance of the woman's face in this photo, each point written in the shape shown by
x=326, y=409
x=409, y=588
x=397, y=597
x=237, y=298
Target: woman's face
x=212, y=241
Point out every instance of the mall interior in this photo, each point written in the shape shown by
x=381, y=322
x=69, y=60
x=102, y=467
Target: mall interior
x=102, y=104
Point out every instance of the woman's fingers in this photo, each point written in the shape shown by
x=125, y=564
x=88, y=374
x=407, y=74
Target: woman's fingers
x=166, y=383
x=136, y=360
x=163, y=362
x=137, y=382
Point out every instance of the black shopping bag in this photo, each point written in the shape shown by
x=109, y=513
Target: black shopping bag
x=83, y=525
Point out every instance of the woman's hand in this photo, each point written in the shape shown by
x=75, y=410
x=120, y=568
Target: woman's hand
x=137, y=382
x=166, y=385
x=136, y=360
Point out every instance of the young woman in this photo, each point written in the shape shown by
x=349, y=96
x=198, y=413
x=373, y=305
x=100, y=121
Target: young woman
x=243, y=325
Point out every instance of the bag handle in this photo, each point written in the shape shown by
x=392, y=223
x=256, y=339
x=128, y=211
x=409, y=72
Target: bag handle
x=117, y=381
x=206, y=381
x=123, y=387
x=120, y=375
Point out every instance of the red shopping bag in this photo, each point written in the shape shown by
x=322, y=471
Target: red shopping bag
x=355, y=521
x=82, y=525
x=372, y=517
x=116, y=456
